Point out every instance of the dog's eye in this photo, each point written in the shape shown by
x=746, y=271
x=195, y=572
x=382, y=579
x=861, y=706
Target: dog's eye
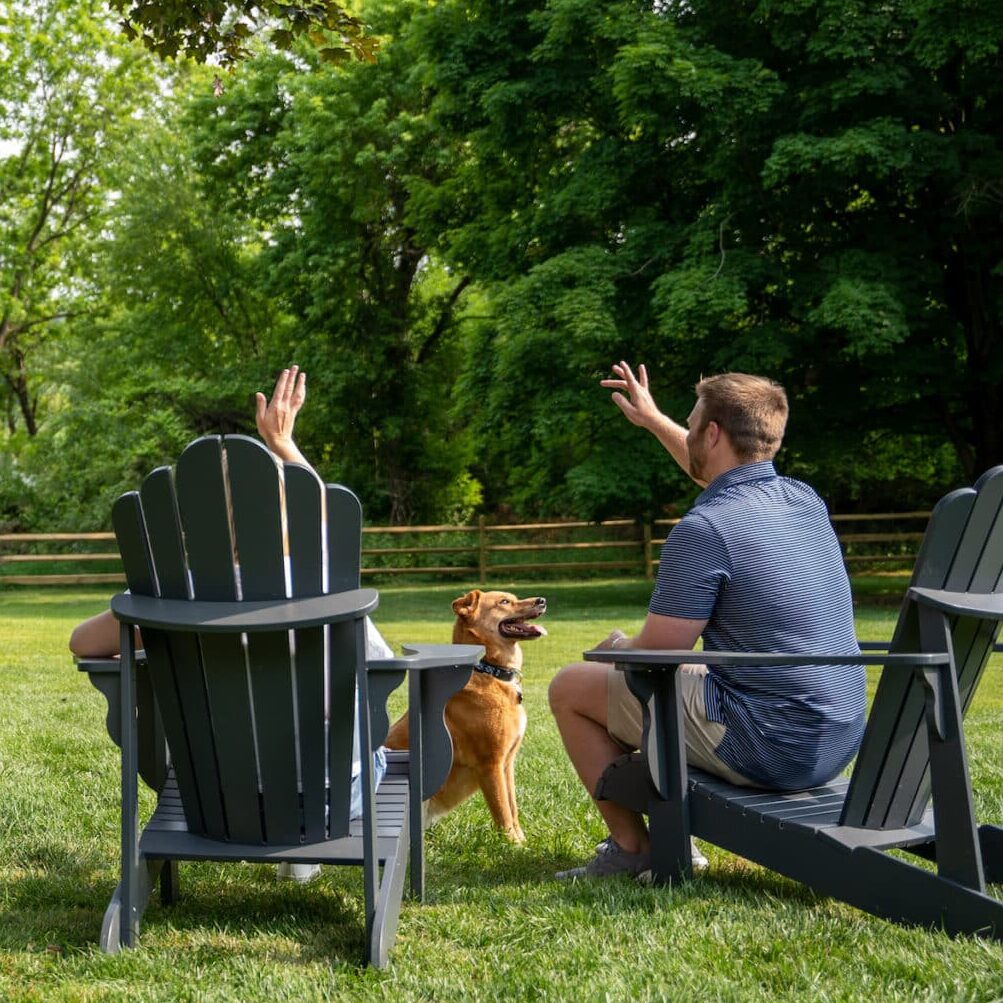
x=504, y=602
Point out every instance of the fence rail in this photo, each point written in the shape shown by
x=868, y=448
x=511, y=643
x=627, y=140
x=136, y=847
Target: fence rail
x=473, y=551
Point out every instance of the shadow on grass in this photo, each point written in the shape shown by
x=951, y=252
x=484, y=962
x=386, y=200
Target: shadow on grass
x=491, y=862
x=51, y=893
x=56, y=897
x=233, y=905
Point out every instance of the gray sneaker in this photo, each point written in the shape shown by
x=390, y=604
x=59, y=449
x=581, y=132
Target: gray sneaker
x=698, y=861
x=610, y=860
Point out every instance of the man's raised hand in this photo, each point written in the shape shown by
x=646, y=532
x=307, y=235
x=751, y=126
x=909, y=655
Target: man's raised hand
x=640, y=409
x=638, y=405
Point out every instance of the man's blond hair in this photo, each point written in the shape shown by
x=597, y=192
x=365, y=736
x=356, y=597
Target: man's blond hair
x=751, y=410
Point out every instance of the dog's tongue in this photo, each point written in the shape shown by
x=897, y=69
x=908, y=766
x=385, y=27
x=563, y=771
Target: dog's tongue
x=522, y=629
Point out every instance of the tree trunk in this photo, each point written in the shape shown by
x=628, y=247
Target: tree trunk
x=19, y=385
x=983, y=369
x=9, y=412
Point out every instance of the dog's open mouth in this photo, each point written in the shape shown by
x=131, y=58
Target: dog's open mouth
x=520, y=628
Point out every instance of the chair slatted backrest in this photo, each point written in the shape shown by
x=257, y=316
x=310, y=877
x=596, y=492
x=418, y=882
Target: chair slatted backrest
x=962, y=551
x=259, y=725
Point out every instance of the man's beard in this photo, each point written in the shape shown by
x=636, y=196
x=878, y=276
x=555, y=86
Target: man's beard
x=697, y=459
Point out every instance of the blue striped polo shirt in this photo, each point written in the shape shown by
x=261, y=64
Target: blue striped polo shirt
x=757, y=558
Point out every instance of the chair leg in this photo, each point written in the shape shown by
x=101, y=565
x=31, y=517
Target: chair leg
x=671, y=859
x=388, y=904
x=112, y=939
x=133, y=890
x=169, y=882
x=991, y=844
x=894, y=889
x=417, y=824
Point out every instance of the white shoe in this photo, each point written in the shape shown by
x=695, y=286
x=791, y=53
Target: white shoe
x=300, y=873
x=697, y=859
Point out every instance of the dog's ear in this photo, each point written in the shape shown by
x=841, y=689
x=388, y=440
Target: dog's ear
x=465, y=605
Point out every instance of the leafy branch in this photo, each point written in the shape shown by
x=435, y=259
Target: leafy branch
x=221, y=29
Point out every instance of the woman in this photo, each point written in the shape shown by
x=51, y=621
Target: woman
x=98, y=637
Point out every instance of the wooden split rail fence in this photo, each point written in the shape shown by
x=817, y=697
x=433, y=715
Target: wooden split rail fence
x=483, y=552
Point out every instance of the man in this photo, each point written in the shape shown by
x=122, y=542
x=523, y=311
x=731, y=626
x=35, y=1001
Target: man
x=753, y=566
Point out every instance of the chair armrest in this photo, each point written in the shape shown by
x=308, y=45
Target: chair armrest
x=106, y=664
x=229, y=617
x=644, y=658
x=98, y=666
x=985, y=606
x=884, y=645
x=430, y=656
x=441, y=670
x=105, y=675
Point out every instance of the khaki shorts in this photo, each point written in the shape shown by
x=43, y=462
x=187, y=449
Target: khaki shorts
x=624, y=721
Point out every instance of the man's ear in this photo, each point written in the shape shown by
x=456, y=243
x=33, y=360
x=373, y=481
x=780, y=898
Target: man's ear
x=465, y=605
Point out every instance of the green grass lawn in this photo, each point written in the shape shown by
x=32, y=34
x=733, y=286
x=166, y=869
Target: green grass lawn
x=495, y=926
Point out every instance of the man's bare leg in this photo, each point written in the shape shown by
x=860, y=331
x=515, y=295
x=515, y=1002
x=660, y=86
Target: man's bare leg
x=579, y=702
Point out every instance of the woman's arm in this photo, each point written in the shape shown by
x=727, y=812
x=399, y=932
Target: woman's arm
x=276, y=418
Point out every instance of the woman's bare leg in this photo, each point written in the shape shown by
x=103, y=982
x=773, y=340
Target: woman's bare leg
x=98, y=637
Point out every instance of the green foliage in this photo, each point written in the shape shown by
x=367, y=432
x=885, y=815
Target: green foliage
x=530, y=390
x=324, y=163
x=221, y=29
x=254, y=229
x=65, y=119
x=174, y=346
x=457, y=239
x=808, y=190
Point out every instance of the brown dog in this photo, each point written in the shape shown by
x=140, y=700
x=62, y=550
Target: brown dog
x=486, y=719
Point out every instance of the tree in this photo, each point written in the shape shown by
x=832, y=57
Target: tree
x=254, y=228
x=539, y=212
x=221, y=29
x=325, y=162
x=809, y=190
x=64, y=118
x=179, y=337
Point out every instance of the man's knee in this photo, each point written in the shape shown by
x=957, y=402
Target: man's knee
x=579, y=687
x=560, y=688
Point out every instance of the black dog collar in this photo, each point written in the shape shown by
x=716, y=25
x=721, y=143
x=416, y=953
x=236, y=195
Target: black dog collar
x=498, y=671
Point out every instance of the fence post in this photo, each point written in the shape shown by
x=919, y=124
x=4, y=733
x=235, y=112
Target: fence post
x=648, y=570
x=482, y=548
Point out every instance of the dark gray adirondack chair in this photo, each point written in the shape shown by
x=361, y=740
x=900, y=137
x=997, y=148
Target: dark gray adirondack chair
x=254, y=692
x=833, y=837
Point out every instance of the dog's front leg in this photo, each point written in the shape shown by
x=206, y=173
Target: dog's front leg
x=517, y=834
x=495, y=788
